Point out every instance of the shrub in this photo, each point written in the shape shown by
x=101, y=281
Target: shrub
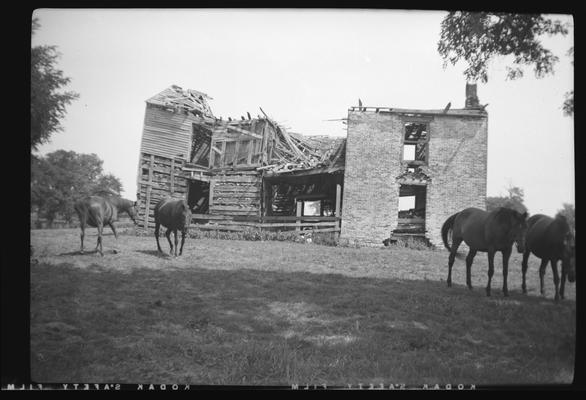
x=412, y=242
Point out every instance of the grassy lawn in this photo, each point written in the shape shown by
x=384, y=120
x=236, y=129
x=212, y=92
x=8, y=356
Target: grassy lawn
x=279, y=313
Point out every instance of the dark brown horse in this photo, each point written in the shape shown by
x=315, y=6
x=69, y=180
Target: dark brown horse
x=173, y=214
x=485, y=232
x=550, y=239
x=98, y=211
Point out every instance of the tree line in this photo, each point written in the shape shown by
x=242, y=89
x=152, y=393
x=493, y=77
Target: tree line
x=59, y=178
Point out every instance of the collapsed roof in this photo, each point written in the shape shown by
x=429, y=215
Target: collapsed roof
x=297, y=152
x=188, y=100
x=285, y=152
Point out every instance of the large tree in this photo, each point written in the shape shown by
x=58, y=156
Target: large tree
x=48, y=101
x=479, y=37
x=62, y=177
x=514, y=200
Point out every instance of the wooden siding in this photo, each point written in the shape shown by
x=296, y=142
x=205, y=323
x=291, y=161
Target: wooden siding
x=166, y=133
x=236, y=193
x=158, y=177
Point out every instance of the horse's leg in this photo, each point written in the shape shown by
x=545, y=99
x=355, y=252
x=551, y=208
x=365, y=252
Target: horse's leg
x=524, y=266
x=469, y=259
x=111, y=225
x=563, y=282
x=99, y=247
x=183, y=231
x=456, y=241
x=157, y=227
x=556, y=278
x=168, y=234
x=491, y=253
x=176, y=242
x=82, y=235
x=506, y=256
x=542, y=274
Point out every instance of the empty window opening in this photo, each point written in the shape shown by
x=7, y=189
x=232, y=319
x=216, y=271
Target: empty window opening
x=409, y=152
x=415, y=143
x=200, y=145
x=411, y=218
x=229, y=153
x=406, y=203
x=198, y=197
x=311, y=208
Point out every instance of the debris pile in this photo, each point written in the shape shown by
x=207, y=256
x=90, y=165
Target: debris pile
x=295, y=152
x=418, y=174
x=185, y=99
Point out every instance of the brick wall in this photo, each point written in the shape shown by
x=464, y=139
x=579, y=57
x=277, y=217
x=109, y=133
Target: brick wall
x=371, y=194
x=457, y=165
x=457, y=168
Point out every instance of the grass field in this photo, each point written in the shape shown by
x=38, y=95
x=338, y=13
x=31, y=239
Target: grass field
x=280, y=313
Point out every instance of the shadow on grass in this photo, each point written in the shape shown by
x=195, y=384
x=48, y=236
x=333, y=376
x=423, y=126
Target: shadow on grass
x=273, y=327
x=155, y=253
x=87, y=253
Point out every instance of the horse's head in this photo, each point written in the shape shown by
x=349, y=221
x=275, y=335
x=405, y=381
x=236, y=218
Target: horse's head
x=132, y=211
x=520, y=230
x=569, y=256
x=186, y=213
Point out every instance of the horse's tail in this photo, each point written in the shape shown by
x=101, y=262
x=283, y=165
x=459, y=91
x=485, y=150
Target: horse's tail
x=446, y=228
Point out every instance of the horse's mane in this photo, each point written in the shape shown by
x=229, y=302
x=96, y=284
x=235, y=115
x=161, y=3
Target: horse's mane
x=507, y=211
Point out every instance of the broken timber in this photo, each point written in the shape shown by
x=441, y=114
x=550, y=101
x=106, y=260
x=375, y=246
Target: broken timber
x=220, y=167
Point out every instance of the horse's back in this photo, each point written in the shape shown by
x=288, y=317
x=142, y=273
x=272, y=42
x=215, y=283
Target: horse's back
x=172, y=213
x=94, y=210
x=469, y=225
x=545, y=236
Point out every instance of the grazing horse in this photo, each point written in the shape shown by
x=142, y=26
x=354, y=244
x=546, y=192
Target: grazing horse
x=486, y=232
x=550, y=239
x=98, y=211
x=173, y=214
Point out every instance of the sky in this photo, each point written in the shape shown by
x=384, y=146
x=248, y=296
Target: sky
x=303, y=67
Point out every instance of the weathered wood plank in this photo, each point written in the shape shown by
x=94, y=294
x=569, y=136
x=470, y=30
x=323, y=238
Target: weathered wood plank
x=220, y=227
x=233, y=208
x=238, y=179
x=297, y=224
x=277, y=218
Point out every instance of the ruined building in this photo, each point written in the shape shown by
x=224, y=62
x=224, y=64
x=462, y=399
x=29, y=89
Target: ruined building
x=237, y=174
x=433, y=162
x=398, y=173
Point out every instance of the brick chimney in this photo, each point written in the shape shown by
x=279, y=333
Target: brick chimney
x=471, y=97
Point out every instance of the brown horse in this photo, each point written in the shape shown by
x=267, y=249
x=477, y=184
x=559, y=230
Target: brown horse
x=551, y=239
x=486, y=232
x=98, y=211
x=173, y=214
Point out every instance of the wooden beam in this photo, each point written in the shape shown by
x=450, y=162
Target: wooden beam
x=172, y=176
x=244, y=132
x=299, y=214
x=211, y=194
x=148, y=196
x=338, y=200
x=223, y=154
